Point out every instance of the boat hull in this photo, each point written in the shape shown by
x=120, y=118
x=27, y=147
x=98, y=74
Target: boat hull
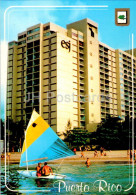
x=32, y=174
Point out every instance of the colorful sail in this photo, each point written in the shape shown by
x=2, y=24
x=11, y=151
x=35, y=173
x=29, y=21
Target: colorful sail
x=42, y=143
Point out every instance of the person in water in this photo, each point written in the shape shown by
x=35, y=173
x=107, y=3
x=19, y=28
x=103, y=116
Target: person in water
x=39, y=170
x=88, y=163
x=46, y=170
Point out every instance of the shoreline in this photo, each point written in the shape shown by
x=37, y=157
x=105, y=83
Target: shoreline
x=112, y=157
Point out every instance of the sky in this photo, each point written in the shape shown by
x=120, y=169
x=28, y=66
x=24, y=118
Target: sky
x=17, y=19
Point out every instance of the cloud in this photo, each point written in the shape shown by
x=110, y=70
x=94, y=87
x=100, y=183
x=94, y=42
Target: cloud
x=77, y=13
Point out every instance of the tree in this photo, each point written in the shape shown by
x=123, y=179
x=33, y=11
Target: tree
x=126, y=133
x=76, y=137
x=113, y=134
x=69, y=125
x=2, y=129
x=15, y=134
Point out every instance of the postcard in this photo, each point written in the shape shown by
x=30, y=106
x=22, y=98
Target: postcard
x=68, y=97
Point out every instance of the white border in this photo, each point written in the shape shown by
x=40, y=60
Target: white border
x=132, y=116
x=83, y=6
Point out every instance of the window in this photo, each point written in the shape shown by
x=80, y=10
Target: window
x=74, y=34
x=21, y=42
x=29, y=38
x=29, y=64
x=46, y=28
x=29, y=45
x=36, y=75
x=47, y=34
x=29, y=70
x=36, y=69
x=29, y=77
x=35, y=36
x=81, y=43
x=34, y=30
x=30, y=57
x=21, y=36
x=12, y=43
x=36, y=43
x=36, y=82
x=80, y=36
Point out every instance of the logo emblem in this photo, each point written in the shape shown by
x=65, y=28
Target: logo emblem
x=65, y=44
x=122, y=16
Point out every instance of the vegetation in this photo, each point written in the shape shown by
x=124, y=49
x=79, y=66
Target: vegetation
x=15, y=134
x=2, y=129
x=113, y=134
x=76, y=137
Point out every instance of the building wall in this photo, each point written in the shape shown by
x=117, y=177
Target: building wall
x=108, y=82
x=67, y=74
x=11, y=81
x=126, y=90
x=91, y=68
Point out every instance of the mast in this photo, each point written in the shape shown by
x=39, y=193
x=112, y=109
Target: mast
x=26, y=153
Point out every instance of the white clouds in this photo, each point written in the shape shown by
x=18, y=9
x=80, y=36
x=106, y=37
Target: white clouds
x=77, y=13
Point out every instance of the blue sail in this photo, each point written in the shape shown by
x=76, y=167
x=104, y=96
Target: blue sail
x=42, y=143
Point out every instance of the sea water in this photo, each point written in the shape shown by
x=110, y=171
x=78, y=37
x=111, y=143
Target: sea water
x=97, y=179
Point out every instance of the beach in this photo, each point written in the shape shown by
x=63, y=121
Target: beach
x=115, y=156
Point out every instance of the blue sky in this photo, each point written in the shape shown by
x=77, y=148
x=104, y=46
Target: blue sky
x=20, y=18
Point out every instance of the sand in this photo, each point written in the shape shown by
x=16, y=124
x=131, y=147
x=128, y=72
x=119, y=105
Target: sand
x=118, y=156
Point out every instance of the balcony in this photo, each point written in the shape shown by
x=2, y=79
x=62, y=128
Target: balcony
x=101, y=53
x=101, y=48
x=81, y=44
x=81, y=56
x=81, y=88
x=81, y=69
x=81, y=64
x=82, y=118
x=82, y=107
x=82, y=99
x=107, y=88
x=81, y=50
x=81, y=76
x=82, y=124
x=82, y=112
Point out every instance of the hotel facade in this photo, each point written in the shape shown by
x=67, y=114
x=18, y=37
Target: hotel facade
x=68, y=74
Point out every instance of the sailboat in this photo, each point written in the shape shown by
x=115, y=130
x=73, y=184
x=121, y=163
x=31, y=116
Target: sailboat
x=41, y=144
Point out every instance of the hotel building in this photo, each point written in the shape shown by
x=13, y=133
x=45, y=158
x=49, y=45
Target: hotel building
x=67, y=74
